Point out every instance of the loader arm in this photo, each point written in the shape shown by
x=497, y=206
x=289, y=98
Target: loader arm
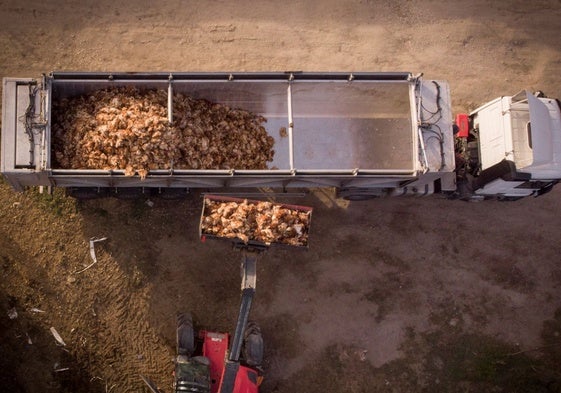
x=232, y=365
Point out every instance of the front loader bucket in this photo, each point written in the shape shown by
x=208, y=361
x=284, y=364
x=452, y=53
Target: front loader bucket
x=255, y=223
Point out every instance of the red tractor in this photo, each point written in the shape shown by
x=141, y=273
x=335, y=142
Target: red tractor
x=214, y=371
x=215, y=362
x=212, y=362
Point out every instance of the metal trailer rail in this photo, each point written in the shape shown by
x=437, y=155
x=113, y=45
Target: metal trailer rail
x=363, y=133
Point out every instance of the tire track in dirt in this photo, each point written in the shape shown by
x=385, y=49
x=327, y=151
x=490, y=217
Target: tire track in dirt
x=128, y=344
x=102, y=313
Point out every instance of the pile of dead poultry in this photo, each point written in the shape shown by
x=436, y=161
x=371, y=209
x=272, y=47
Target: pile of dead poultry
x=263, y=222
x=128, y=129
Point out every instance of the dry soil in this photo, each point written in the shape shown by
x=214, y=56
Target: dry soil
x=393, y=295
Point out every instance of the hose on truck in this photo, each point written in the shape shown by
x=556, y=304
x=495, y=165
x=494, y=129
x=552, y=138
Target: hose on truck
x=30, y=123
x=430, y=124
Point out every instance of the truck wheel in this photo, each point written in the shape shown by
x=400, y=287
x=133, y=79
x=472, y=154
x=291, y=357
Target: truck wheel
x=358, y=194
x=173, y=194
x=503, y=198
x=252, y=349
x=86, y=193
x=359, y=197
x=128, y=193
x=185, y=335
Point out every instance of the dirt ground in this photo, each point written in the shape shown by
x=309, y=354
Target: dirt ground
x=393, y=295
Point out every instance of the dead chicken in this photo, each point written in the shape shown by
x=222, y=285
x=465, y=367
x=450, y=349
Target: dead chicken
x=127, y=129
x=263, y=222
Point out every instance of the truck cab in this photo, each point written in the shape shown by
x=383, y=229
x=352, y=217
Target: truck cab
x=514, y=146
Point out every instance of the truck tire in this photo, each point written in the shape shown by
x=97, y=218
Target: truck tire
x=358, y=194
x=502, y=198
x=173, y=194
x=128, y=193
x=185, y=335
x=86, y=193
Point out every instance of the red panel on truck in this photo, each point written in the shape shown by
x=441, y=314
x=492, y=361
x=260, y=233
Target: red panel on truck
x=462, y=121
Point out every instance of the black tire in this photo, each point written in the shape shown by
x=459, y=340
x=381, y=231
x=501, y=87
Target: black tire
x=503, y=198
x=358, y=198
x=185, y=335
x=173, y=194
x=128, y=193
x=86, y=193
x=357, y=194
x=252, y=349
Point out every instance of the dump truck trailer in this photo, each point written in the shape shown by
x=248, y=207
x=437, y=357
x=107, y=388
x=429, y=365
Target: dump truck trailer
x=364, y=134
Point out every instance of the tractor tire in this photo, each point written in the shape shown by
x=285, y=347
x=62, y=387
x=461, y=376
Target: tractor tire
x=252, y=350
x=185, y=335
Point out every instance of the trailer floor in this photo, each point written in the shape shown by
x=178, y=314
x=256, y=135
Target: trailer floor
x=393, y=295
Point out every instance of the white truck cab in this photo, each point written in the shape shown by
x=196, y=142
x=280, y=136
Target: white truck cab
x=518, y=145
